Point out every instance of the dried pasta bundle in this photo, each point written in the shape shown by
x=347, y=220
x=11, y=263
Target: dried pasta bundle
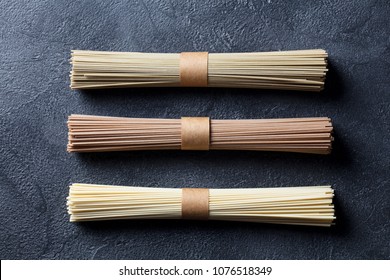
x=103, y=134
x=287, y=70
x=311, y=206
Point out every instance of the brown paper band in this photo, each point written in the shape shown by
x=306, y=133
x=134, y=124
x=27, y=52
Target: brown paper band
x=195, y=133
x=195, y=204
x=194, y=69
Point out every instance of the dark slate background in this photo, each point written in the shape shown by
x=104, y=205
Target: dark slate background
x=35, y=42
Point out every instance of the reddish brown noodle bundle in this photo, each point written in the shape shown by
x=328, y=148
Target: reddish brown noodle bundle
x=103, y=134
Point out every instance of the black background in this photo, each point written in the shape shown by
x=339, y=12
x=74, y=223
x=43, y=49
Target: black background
x=35, y=42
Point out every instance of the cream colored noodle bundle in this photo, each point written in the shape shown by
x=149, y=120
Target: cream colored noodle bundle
x=287, y=70
x=104, y=134
x=311, y=206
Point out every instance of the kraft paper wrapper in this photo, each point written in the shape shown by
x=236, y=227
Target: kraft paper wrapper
x=195, y=204
x=194, y=69
x=195, y=133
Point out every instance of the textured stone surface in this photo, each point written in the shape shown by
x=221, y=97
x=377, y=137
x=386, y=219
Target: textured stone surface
x=35, y=42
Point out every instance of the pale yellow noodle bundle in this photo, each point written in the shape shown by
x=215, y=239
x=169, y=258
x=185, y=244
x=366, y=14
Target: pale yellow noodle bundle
x=288, y=70
x=296, y=206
